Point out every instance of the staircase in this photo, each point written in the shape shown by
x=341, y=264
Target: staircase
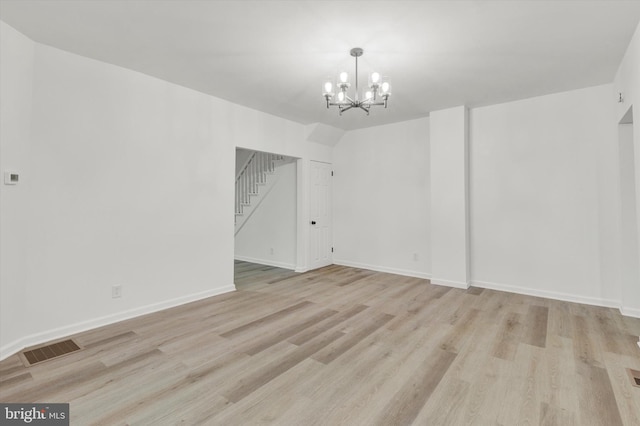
x=253, y=183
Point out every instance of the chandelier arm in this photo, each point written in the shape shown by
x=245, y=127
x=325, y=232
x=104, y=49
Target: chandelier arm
x=344, y=106
x=345, y=109
x=364, y=109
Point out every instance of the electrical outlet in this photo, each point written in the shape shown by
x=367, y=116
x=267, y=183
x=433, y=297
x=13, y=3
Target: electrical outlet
x=116, y=291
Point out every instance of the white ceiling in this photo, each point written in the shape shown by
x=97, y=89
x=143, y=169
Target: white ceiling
x=274, y=55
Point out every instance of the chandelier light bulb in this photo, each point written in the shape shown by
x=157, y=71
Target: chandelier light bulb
x=343, y=77
x=375, y=78
x=341, y=97
x=385, y=88
x=327, y=88
x=368, y=95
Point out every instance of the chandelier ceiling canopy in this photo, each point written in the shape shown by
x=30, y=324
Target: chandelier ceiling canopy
x=375, y=94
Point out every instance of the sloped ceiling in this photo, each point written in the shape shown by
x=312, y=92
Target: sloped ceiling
x=274, y=55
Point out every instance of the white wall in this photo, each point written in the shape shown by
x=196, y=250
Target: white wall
x=269, y=235
x=131, y=179
x=16, y=81
x=535, y=194
x=268, y=133
x=381, y=198
x=607, y=168
x=627, y=82
x=127, y=180
x=450, y=197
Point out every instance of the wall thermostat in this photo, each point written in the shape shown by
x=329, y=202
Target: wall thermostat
x=11, y=178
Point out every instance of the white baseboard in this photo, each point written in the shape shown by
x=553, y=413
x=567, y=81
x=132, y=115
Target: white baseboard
x=57, y=333
x=449, y=283
x=397, y=271
x=267, y=262
x=13, y=348
x=607, y=303
x=301, y=269
x=630, y=312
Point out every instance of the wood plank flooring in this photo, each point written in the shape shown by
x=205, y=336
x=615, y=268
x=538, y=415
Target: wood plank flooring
x=345, y=346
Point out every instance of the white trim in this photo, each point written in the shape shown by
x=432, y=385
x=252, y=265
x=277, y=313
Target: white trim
x=267, y=262
x=630, y=312
x=302, y=216
x=594, y=301
x=56, y=333
x=448, y=283
x=13, y=348
x=405, y=272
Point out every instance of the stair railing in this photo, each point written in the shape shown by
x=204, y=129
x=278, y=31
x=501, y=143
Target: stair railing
x=253, y=174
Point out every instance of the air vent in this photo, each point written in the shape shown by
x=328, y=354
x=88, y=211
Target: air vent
x=51, y=351
x=635, y=377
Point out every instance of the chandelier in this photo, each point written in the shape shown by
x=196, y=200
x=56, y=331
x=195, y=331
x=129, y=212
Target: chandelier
x=375, y=94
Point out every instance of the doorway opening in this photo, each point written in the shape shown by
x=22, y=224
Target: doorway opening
x=265, y=210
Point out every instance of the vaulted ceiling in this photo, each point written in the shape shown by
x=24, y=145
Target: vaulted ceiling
x=274, y=55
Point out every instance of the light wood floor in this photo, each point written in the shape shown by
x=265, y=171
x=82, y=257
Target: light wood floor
x=344, y=346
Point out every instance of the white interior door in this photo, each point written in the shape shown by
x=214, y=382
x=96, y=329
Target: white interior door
x=320, y=215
